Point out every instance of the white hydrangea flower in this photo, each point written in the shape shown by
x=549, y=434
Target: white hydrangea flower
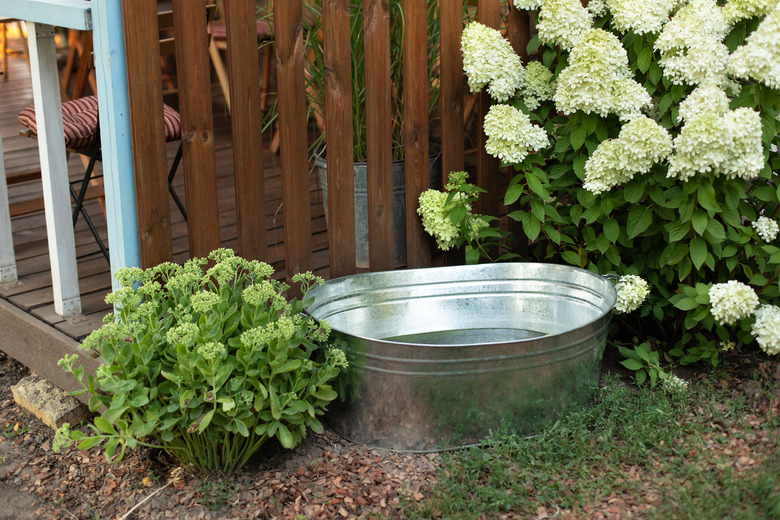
x=511, y=134
x=631, y=293
x=767, y=329
x=736, y=10
x=597, y=8
x=766, y=228
x=732, y=301
x=759, y=57
x=539, y=85
x=640, y=16
x=489, y=60
x=727, y=144
x=598, y=79
x=746, y=159
x=672, y=384
x=691, y=45
x=432, y=209
x=562, y=23
x=641, y=143
x=528, y=5
x=704, y=98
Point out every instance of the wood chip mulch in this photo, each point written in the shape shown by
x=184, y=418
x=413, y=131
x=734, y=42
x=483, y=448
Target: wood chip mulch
x=325, y=477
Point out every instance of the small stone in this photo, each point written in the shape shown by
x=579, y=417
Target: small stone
x=48, y=403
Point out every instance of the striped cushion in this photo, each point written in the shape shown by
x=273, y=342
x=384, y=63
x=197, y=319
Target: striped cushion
x=80, y=122
x=79, y=117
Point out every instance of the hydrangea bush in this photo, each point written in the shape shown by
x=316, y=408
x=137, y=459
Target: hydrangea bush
x=207, y=363
x=643, y=141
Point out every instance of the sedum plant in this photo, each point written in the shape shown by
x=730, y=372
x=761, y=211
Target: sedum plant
x=207, y=363
x=643, y=140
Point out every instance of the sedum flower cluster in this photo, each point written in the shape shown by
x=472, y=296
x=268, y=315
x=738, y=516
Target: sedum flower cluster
x=766, y=228
x=759, y=57
x=631, y=293
x=641, y=143
x=691, y=44
x=732, y=301
x=767, y=329
x=511, y=135
x=598, y=79
x=489, y=60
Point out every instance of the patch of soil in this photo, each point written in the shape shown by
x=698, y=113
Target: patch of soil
x=325, y=477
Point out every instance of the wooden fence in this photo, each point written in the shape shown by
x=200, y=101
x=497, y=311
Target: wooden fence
x=140, y=17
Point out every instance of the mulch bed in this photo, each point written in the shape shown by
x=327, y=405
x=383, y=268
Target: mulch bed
x=325, y=477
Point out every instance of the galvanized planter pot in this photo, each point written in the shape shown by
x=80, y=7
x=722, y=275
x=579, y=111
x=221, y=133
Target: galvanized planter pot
x=441, y=356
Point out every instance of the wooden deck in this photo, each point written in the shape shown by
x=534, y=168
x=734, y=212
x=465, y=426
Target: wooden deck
x=31, y=309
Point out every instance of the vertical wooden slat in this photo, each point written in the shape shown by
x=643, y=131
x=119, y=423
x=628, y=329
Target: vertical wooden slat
x=247, y=132
x=292, y=129
x=519, y=27
x=376, y=25
x=415, y=70
x=489, y=14
x=197, y=125
x=7, y=257
x=338, y=129
x=148, y=131
x=452, y=91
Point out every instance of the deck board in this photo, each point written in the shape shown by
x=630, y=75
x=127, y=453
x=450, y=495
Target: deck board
x=33, y=293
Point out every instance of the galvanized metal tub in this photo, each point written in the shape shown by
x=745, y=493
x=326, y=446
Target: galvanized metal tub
x=441, y=356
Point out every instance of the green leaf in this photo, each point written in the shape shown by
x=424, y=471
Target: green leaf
x=578, y=136
x=611, y=230
x=89, y=442
x=644, y=59
x=472, y=255
x=535, y=185
x=699, y=221
x=665, y=103
x=632, y=364
x=285, y=437
x=205, y=421
x=677, y=230
x=639, y=219
x=571, y=257
x=104, y=425
x=513, y=193
x=686, y=304
x=698, y=251
x=706, y=197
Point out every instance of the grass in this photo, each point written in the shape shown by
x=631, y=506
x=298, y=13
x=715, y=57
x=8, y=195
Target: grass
x=698, y=454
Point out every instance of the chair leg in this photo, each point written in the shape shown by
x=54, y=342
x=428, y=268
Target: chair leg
x=91, y=226
x=171, y=175
x=78, y=199
x=219, y=68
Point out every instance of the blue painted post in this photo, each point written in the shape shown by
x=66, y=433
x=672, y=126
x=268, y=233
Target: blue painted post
x=115, y=138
